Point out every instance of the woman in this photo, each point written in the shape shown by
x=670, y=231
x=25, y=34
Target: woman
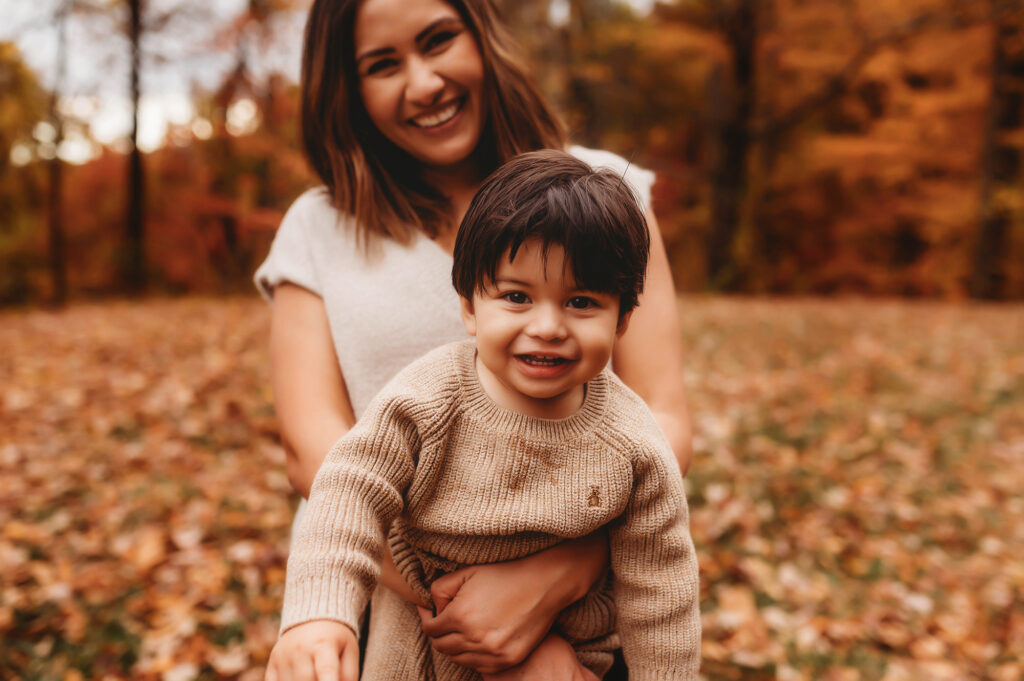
x=406, y=107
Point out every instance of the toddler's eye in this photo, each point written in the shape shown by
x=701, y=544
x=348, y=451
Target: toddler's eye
x=516, y=297
x=581, y=302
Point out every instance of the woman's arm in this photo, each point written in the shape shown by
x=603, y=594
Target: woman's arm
x=649, y=356
x=313, y=407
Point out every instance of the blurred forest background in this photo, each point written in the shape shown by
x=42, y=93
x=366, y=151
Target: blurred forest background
x=802, y=146
x=857, y=487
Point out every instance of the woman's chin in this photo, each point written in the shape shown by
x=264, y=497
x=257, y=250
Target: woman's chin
x=458, y=159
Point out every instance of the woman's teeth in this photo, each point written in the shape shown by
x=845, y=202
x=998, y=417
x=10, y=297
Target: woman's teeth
x=542, y=361
x=441, y=117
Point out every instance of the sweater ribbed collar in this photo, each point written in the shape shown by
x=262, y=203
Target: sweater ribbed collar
x=479, y=404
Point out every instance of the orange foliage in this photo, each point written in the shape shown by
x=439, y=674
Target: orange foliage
x=864, y=172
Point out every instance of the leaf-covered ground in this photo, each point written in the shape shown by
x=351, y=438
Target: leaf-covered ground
x=857, y=492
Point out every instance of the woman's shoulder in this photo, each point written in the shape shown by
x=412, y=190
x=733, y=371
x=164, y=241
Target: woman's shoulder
x=598, y=157
x=312, y=206
x=310, y=228
x=313, y=218
x=640, y=179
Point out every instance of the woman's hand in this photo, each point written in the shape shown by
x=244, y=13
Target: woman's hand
x=490, y=617
x=321, y=650
x=552, y=660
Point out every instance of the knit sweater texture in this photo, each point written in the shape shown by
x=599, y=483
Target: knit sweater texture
x=461, y=481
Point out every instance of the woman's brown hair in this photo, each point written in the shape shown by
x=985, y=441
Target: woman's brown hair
x=367, y=175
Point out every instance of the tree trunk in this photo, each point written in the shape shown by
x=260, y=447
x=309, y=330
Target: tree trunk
x=58, y=261
x=135, y=255
x=1001, y=164
x=586, y=128
x=734, y=111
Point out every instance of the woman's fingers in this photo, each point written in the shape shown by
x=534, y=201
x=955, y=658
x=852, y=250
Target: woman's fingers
x=435, y=626
x=477, y=655
x=444, y=588
x=458, y=631
x=452, y=645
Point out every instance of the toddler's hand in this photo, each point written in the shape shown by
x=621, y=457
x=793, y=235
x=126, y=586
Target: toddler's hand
x=321, y=650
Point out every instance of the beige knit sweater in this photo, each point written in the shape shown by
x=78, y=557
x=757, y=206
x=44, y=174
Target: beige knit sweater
x=467, y=482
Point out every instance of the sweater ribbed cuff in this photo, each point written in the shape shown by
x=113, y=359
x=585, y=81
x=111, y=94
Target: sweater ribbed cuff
x=323, y=599
x=654, y=674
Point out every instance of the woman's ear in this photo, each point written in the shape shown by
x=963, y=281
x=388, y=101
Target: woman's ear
x=468, y=315
x=623, y=324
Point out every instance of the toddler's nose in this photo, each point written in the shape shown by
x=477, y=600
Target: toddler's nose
x=547, y=323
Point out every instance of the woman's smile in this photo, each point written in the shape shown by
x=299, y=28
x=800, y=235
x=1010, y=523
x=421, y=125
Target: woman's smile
x=437, y=118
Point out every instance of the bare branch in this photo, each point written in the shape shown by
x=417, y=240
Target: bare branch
x=840, y=83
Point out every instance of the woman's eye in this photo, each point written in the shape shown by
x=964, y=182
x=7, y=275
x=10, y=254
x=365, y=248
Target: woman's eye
x=581, y=302
x=516, y=297
x=438, y=40
x=380, y=66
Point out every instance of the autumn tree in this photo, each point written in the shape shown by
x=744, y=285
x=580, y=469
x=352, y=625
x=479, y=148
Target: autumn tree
x=22, y=106
x=134, y=264
x=133, y=24
x=1002, y=160
x=58, y=258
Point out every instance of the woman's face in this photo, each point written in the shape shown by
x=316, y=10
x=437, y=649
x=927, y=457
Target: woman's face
x=421, y=78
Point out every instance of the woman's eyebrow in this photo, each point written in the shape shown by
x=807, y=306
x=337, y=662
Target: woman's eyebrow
x=431, y=27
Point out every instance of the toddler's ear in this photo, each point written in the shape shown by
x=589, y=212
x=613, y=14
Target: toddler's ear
x=623, y=324
x=468, y=315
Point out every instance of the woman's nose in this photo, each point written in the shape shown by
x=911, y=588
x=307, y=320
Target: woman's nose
x=424, y=84
x=547, y=323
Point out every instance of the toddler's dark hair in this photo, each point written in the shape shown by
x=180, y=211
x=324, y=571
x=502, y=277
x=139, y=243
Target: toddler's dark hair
x=558, y=199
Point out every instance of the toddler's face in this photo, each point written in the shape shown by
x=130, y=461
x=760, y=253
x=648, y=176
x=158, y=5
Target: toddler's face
x=539, y=338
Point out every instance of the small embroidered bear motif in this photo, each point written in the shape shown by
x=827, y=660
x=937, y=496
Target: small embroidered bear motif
x=594, y=500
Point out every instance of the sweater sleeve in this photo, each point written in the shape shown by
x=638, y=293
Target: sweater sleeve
x=335, y=555
x=657, y=589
